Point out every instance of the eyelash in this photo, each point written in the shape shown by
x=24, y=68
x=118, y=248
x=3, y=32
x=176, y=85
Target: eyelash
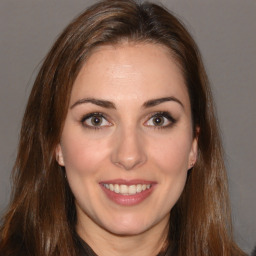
x=88, y=116
x=163, y=114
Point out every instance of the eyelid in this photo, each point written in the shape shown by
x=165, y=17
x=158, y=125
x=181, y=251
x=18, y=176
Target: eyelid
x=90, y=115
x=164, y=114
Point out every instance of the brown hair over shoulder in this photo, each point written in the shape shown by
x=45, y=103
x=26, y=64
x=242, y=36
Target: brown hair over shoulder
x=41, y=217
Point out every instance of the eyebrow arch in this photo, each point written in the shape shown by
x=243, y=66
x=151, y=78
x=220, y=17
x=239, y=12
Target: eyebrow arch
x=154, y=102
x=98, y=102
x=109, y=104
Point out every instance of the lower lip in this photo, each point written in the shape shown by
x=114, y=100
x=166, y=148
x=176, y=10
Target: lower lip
x=128, y=200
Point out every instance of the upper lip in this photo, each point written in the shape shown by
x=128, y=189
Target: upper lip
x=128, y=182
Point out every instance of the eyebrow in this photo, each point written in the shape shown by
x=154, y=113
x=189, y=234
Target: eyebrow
x=111, y=105
x=155, y=102
x=98, y=102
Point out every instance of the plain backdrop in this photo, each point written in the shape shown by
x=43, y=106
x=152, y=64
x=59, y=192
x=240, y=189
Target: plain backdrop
x=225, y=31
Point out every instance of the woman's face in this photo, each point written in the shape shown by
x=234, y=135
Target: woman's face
x=127, y=141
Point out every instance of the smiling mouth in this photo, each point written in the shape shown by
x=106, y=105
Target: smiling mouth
x=127, y=190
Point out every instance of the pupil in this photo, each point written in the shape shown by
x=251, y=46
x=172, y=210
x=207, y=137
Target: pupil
x=158, y=121
x=96, y=121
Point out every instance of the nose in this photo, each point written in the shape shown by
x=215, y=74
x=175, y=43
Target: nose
x=129, y=150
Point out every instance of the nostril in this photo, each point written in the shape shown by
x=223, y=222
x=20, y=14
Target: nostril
x=129, y=160
x=128, y=152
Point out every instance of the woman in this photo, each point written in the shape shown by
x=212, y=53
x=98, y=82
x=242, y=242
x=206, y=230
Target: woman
x=119, y=150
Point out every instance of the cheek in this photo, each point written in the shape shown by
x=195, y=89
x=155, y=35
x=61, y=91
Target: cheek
x=170, y=159
x=82, y=156
x=172, y=155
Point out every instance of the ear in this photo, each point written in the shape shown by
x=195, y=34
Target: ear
x=59, y=155
x=194, y=149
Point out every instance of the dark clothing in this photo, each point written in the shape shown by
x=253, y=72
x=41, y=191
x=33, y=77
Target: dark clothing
x=254, y=252
x=85, y=250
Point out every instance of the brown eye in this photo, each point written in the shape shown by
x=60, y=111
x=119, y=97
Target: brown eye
x=95, y=120
x=158, y=120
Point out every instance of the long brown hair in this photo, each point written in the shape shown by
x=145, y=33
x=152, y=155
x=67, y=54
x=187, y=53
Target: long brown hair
x=41, y=217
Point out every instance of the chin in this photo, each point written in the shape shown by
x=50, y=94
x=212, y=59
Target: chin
x=130, y=226
x=126, y=231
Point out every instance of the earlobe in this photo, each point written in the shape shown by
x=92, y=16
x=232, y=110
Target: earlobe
x=193, y=154
x=194, y=150
x=59, y=155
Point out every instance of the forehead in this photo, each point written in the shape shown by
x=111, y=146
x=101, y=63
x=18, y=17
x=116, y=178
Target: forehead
x=142, y=70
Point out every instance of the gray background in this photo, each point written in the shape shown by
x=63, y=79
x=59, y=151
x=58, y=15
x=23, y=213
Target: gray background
x=226, y=34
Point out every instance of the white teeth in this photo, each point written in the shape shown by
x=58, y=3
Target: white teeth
x=139, y=188
x=127, y=190
x=111, y=187
x=117, y=188
x=132, y=190
x=123, y=189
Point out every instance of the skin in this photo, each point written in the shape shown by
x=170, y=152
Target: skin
x=127, y=145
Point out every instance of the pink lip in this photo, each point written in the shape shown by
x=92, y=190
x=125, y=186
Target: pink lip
x=128, y=200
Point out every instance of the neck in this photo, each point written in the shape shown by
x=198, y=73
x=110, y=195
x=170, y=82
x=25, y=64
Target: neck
x=103, y=243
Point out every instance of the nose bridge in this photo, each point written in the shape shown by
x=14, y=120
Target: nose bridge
x=128, y=151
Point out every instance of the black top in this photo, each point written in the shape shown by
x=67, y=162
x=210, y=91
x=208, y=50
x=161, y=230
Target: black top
x=254, y=252
x=85, y=250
